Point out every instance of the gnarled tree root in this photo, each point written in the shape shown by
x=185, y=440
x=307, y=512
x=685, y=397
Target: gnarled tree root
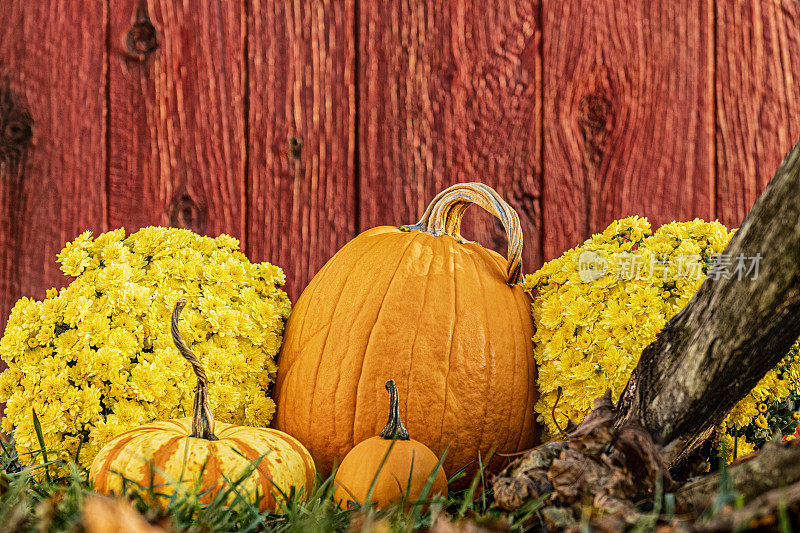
x=597, y=464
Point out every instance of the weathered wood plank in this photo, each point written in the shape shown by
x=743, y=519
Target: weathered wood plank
x=301, y=193
x=177, y=115
x=628, y=115
x=758, y=99
x=450, y=92
x=52, y=138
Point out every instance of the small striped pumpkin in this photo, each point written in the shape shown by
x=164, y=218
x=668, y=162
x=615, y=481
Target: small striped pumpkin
x=196, y=455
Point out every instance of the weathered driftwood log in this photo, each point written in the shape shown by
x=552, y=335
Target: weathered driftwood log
x=761, y=514
x=707, y=358
x=731, y=333
x=775, y=466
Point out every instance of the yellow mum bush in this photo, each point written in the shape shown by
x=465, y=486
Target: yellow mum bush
x=598, y=305
x=96, y=358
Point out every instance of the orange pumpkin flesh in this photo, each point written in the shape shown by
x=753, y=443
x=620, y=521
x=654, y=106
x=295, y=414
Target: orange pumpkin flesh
x=403, y=475
x=435, y=312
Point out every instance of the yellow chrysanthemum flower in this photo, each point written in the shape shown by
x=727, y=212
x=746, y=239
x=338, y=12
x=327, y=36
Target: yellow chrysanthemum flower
x=96, y=358
x=598, y=305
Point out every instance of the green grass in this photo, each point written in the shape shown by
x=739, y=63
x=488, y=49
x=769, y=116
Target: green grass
x=35, y=499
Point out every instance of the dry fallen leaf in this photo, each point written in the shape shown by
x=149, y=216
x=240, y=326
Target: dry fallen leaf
x=607, y=468
x=113, y=515
x=465, y=525
x=364, y=523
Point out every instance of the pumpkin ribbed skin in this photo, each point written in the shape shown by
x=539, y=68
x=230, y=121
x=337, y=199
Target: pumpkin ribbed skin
x=357, y=471
x=398, y=465
x=435, y=314
x=163, y=452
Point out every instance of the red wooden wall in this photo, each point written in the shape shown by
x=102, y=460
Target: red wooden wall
x=294, y=125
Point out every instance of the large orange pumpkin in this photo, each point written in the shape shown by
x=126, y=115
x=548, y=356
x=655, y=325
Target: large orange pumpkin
x=442, y=315
x=198, y=455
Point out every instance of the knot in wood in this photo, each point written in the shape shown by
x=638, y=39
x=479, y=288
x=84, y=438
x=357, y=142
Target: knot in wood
x=187, y=213
x=16, y=126
x=594, y=112
x=141, y=39
x=594, y=117
x=295, y=146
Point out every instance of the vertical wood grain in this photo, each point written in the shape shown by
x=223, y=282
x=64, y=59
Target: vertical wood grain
x=628, y=115
x=302, y=134
x=758, y=98
x=450, y=92
x=177, y=144
x=52, y=138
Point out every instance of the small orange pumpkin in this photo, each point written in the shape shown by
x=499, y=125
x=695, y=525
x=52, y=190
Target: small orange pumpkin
x=443, y=315
x=405, y=470
x=197, y=455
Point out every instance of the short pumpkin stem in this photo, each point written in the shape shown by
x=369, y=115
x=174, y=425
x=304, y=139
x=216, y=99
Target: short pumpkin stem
x=394, y=427
x=202, y=418
x=444, y=213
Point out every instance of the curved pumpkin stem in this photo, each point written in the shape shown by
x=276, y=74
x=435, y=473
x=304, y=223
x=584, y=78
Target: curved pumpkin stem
x=394, y=427
x=444, y=213
x=202, y=418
